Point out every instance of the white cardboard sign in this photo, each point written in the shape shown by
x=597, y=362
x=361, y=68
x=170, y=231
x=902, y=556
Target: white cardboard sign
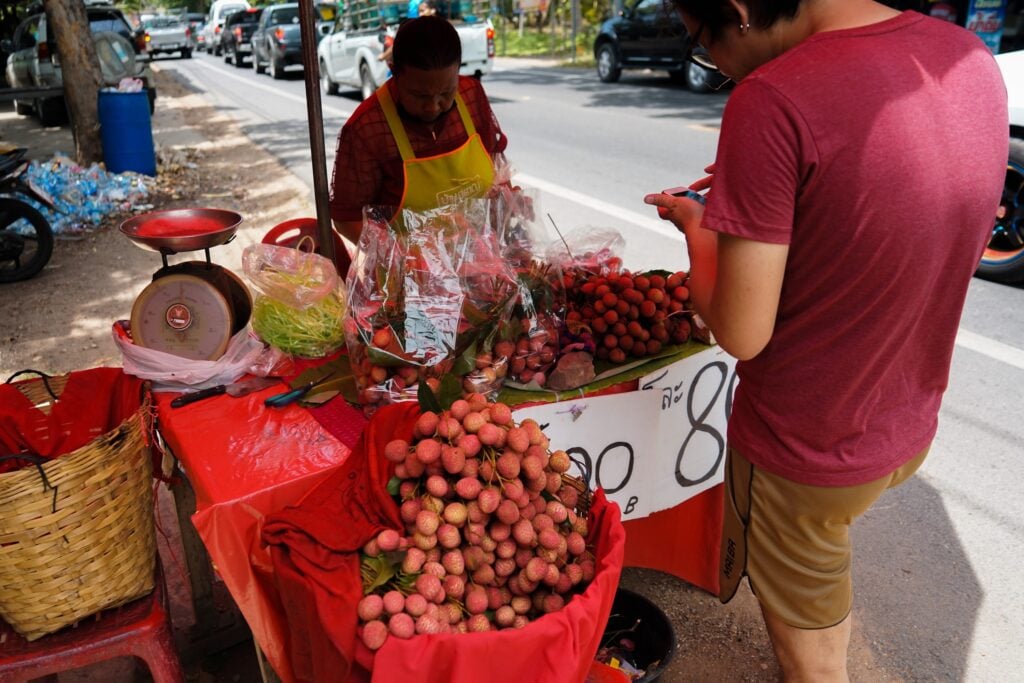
x=652, y=449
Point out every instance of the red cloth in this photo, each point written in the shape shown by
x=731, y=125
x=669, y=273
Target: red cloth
x=368, y=168
x=92, y=403
x=816, y=150
x=314, y=547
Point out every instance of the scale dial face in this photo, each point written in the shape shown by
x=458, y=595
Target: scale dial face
x=183, y=315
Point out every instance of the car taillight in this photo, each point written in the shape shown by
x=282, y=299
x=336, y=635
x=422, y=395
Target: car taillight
x=279, y=34
x=140, y=42
x=146, y=38
x=216, y=30
x=490, y=42
x=43, y=51
x=388, y=42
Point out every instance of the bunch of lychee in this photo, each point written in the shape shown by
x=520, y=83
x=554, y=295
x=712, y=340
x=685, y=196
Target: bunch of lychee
x=533, y=353
x=627, y=315
x=384, y=371
x=492, y=537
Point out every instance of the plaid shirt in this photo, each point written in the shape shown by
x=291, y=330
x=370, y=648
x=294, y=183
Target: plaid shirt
x=367, y=165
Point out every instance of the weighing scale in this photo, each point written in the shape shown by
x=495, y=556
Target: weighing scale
x=190, y=309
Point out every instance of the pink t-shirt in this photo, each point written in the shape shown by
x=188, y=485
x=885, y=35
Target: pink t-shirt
x=878, y=155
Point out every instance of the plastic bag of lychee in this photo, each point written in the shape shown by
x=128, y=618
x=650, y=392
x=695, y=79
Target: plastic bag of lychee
x=496, y=554
x=427, y=291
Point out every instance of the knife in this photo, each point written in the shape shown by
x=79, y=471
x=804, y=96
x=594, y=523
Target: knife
x=234, y=390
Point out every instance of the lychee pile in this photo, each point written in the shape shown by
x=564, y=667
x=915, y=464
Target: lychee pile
x=492, y=538
x=627, y=315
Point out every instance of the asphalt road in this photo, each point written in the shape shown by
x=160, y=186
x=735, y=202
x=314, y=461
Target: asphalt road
x=937, y=562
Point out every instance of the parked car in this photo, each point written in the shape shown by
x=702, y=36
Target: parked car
x=236, y=37
x=167, y=34
x=34, y=63
x=219, y=11
x=350, y=53
x=1003, y=260
x=277, y=41
x=648, y=34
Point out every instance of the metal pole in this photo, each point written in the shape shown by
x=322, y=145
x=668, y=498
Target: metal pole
x=311, y=73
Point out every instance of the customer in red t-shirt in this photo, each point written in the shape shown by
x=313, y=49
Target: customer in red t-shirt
x=859, y=166
x=426, y=138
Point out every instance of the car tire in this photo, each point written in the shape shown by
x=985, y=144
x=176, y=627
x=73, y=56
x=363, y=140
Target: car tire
x=697, y=79
x=256, y=65
x=608, y=69
x=366, y=85
x=276, y=69
x=51, y=111
x=327, y=86
x=239, y=60
x=22, y=108
x=1003, y=258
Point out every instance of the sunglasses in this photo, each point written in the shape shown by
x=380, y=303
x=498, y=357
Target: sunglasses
x=702, y=58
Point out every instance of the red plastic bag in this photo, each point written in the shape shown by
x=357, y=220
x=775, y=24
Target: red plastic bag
x=315, y=549
x=92, y=403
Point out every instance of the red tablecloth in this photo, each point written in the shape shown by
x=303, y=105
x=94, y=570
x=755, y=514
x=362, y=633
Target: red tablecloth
x=246, y=461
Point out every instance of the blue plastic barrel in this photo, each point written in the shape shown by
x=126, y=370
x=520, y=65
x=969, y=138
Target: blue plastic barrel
x=127, y=132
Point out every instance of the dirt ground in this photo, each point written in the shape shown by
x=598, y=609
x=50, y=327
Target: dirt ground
x=61, y=320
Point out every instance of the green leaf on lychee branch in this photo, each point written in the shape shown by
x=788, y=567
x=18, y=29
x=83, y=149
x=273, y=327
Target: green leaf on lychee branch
x=427, y=400
x=394, y=486
x=375, y=572
x=450, y=391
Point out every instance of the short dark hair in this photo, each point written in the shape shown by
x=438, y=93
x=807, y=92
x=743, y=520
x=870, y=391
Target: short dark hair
x=715, y=15
x=426, y=43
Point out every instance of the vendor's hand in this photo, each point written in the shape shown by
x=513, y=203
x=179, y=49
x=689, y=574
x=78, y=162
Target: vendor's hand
x=680, y=211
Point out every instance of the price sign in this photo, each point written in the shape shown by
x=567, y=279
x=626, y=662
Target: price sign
x=652, y=449
x=612, y=441
x=695, y=402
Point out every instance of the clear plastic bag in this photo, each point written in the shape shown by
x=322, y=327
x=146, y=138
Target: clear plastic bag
x=301, y=299
x=426, y=294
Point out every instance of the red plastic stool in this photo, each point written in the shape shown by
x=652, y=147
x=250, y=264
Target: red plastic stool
x=142, y=628
x=292, y=233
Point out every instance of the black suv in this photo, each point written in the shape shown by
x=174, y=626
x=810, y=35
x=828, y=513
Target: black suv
x=236, y=36
x=648, y=34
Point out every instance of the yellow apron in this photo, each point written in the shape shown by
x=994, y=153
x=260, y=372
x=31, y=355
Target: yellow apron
x=466, y=172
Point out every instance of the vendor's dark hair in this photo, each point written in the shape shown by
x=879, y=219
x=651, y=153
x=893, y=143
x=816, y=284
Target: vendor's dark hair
x=427, y=43
x=716, y=14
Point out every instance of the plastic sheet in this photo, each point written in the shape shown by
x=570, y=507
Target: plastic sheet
x=84, y=196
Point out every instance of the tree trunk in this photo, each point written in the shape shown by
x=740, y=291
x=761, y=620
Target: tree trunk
x=81, y=74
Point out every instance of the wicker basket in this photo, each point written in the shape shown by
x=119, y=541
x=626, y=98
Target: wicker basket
x=81, y=539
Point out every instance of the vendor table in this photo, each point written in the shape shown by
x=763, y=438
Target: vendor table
x=245, y=461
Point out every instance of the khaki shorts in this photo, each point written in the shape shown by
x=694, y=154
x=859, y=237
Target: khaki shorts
x=792, y=541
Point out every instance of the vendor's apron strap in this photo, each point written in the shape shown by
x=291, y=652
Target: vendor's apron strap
x=397, y=129
x=387, y=105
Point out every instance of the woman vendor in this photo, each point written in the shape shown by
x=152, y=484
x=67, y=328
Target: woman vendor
x=426, y=138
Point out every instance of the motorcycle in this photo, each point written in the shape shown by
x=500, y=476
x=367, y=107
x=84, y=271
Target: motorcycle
x=26, y=238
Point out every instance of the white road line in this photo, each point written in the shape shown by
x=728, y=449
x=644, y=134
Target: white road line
x=654, y=224
x=996, y=350
x=343, y=115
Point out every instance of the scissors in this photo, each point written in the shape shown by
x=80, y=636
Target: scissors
x=289, y=397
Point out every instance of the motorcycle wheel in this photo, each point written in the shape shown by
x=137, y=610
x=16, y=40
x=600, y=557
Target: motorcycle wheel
x=26, y=240
x=1003, y=260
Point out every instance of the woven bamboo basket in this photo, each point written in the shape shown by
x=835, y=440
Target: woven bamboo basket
x=83, y=540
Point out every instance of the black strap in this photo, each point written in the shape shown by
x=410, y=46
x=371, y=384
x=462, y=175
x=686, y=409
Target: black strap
x=42, y=375
x=38, y=461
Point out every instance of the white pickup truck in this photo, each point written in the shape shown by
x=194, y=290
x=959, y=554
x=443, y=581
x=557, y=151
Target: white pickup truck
x=165, y=34
x=350, y=54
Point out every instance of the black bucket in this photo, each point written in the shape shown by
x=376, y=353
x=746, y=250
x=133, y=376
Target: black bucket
x=639, y=620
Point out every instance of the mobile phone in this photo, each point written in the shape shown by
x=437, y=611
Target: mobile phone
x=685, y=192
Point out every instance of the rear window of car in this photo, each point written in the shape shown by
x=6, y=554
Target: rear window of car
x=247, y=17
x=108, y=21
x=162, y=22
x=286, y=15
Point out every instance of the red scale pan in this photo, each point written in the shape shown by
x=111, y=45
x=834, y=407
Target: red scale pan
x=190, y=309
